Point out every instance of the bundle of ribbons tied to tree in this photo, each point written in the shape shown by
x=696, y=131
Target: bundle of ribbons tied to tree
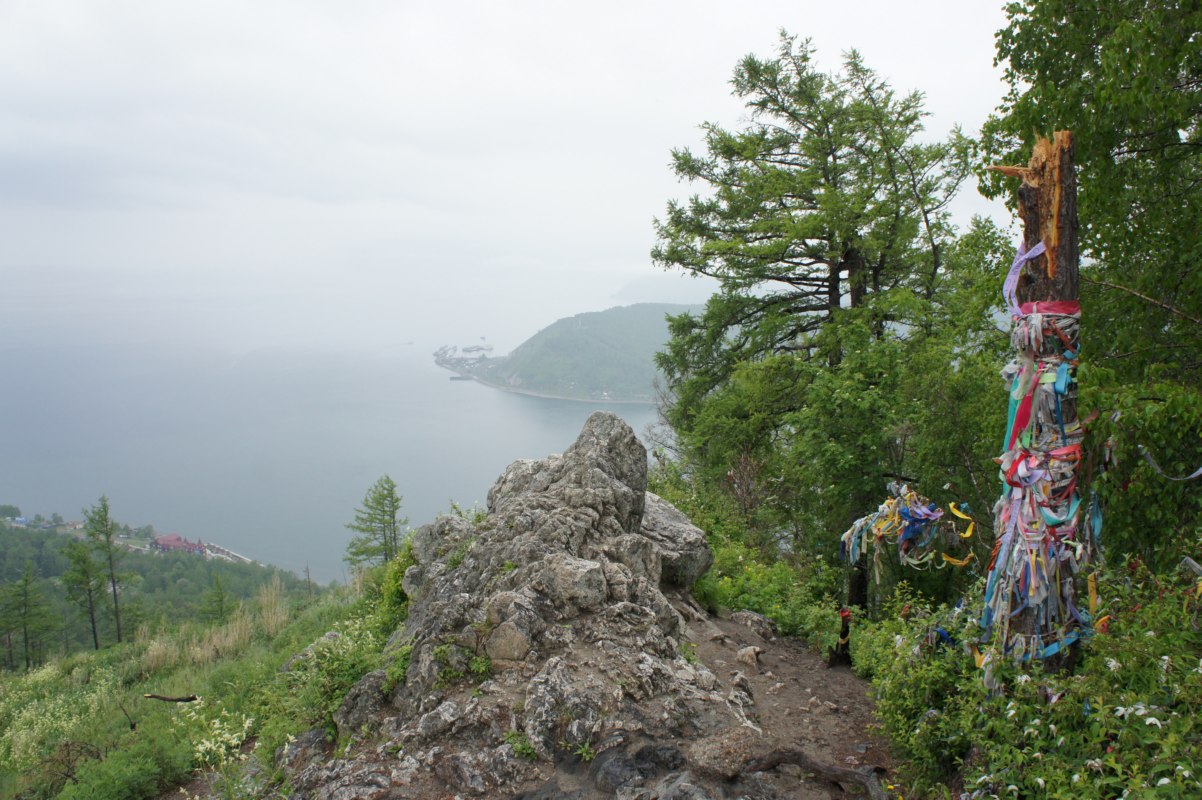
x=1029, y=606
x=1029, y=596
x=910, y=522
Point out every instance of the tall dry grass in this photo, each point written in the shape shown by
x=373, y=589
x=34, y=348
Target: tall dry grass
x=272, y=607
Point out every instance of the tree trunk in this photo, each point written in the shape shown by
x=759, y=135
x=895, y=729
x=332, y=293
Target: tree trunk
x=1046, y=435
x=92, y=619
x=113, y=583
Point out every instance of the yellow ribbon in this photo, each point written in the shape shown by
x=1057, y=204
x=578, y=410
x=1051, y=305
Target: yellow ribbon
x=958, y=562
x=971, y=523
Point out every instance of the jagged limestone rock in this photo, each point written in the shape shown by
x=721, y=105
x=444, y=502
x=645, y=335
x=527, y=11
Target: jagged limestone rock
x=545, y=630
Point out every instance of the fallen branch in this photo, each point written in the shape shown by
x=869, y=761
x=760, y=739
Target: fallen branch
x=864, y=776
x=189, y=699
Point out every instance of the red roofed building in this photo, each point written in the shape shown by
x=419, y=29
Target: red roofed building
x=173, y=541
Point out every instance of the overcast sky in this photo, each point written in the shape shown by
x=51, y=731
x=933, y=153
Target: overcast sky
x=283, y=173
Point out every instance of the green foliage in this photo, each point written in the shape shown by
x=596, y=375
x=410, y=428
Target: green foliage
x=25, y=613
x=398, y=667
x=379, y=522
x=390, y=600
x=101, y=531
x=318, y=683
x=797, y=406
x=141, y=771
x=481, y=667
x=84, y=584
x=1145, y=513
x=1125, y=76
x=453, y=663
x=585, y=751
x=158, y=591
x=521, y=745
x=460, y=552
x=1122, y=724
x=45, y=714
x=217, y=603
x=798, y=592
x=824, y=192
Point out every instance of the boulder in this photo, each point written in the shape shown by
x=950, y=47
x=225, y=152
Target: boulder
x=683, y=550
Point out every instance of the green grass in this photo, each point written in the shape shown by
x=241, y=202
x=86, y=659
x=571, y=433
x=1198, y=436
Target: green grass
x=65, y=728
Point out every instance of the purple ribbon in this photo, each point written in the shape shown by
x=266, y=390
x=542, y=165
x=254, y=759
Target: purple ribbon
x=1010, y=287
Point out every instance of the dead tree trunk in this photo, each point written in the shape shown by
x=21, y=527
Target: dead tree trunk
x=1030, y=593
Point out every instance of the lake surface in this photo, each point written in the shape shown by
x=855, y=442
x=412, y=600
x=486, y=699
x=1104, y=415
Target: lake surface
x=269, y=453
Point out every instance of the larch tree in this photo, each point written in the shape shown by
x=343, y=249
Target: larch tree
x=379, y=524
x=821, y=219
x=101, y=530
x=84, y=582
x=26, y=611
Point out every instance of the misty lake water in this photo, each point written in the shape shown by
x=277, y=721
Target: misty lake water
x=267, y=454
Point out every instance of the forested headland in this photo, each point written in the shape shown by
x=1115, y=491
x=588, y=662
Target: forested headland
x=601, y=356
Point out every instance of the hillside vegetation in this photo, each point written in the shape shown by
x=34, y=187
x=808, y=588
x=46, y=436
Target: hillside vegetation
x=600, y=355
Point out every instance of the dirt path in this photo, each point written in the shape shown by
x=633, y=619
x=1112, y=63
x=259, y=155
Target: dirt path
x=800, y=702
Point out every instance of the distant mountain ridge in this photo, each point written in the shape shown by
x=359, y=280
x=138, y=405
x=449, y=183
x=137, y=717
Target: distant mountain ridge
x=605, y=356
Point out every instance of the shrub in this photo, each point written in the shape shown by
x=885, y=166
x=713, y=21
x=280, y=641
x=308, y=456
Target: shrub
x=1121, y=725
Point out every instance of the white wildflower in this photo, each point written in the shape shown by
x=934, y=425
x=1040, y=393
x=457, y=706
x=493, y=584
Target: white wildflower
x=1150, y=634
x=1041, y=783
x=1153, y=721
x=1113, y=664
x=1095, y=764
x=1076, y=777
x=1163, y=782
x=1165, y=664
x=1024, y=678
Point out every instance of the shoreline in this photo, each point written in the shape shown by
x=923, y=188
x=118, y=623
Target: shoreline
x=544, y=396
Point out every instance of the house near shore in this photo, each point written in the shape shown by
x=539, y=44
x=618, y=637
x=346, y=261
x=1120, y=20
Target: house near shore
x=173, y=542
